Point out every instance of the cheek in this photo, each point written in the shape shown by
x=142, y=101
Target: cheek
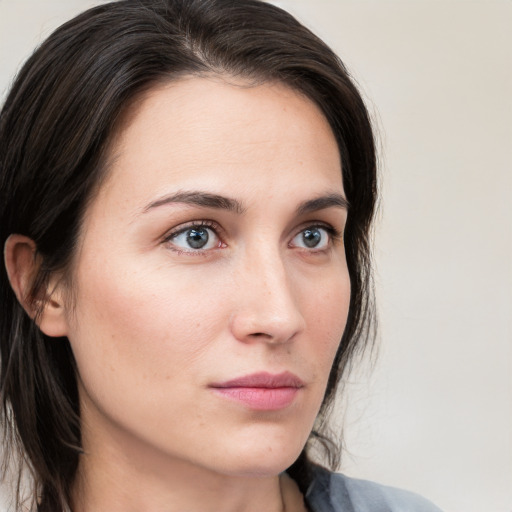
x=142, y=329
x=327, y=315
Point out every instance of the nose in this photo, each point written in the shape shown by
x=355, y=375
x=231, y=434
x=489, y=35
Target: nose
x=266, y=301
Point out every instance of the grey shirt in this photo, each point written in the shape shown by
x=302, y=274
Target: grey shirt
x=334, y=492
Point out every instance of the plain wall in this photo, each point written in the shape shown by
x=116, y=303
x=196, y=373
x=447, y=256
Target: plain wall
x=434, y=415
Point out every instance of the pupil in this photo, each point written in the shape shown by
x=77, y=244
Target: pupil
x=311, y=237
x=197, y=238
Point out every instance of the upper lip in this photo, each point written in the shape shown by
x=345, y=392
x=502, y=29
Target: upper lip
x=262, y=380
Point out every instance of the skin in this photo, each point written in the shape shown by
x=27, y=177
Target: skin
x=153, y=322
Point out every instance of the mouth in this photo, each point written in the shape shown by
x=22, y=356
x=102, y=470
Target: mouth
x=261, y=391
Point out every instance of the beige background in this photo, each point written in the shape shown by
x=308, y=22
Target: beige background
x=435, y=414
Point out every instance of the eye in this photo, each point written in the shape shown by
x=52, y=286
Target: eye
x=195, y=238
x=313, y=237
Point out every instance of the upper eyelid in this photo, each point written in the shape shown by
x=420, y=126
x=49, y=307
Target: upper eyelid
x=319, y=224
x=190, y=225
x=333, y=233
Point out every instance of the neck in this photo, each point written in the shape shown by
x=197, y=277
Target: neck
x=120, y=490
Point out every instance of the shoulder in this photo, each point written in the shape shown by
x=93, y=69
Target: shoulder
x=334, y=492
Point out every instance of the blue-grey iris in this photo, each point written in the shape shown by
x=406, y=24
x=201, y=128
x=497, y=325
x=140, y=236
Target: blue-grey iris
x=197, y=238
x=311, y=237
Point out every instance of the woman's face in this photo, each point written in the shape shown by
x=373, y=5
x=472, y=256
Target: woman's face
x=210, y=286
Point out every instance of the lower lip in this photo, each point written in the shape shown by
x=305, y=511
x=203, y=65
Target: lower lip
x=261, y=399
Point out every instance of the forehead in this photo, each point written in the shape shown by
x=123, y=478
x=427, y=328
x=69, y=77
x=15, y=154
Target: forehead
x=219, y=134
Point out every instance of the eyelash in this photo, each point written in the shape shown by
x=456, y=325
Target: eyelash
x=334, y=236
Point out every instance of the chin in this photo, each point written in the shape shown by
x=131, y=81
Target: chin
x=262, y=457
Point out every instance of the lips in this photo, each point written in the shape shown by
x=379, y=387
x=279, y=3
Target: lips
x=261, y=391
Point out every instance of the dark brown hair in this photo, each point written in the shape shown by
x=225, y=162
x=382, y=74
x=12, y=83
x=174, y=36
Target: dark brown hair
x=55, y=128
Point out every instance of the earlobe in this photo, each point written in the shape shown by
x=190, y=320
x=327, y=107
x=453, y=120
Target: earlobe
x=47, y=306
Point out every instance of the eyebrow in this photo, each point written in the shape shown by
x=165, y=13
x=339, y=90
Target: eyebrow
x=216, y=201
x=322, y=203
x=197, y=198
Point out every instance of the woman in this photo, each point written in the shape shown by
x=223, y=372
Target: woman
x=187, y=192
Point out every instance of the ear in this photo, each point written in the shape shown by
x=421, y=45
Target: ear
x=47, y=308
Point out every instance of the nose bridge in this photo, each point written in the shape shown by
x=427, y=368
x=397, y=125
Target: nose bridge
x=266, y=305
